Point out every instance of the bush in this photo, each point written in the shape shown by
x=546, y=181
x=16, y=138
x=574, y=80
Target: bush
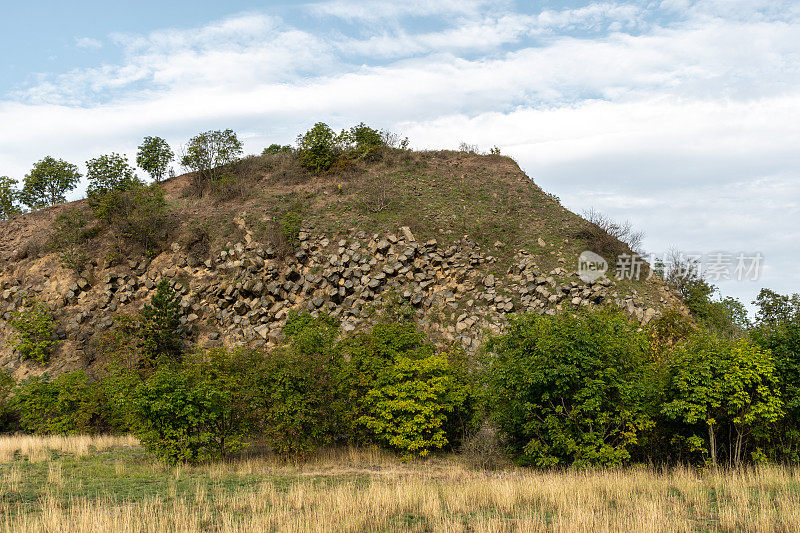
x=299, y=408
x=291, y=223
x=200, y=410
x=139, y=215
x=778, y=330
x=400, y=393
x=48, y=182
x=35, y=329
x=318, y=148
x=726, y=393
x=569, y=389
x=277, y=149
x=66, y=405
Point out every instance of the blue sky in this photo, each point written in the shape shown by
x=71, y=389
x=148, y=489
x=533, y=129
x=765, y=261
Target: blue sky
x=682, y=116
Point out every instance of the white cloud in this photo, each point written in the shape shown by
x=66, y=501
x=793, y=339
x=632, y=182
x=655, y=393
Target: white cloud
x=88, y=43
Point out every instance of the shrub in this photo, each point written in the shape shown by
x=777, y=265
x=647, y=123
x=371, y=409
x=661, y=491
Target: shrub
x=318, y=148
x=299, y=408
x=726, y=392
x=48, y=182
x=569, y=389
x=277, y=149
x=208, y=152
x=35, y=328
x=68, y=404
x=399, y=392
x=8, y=198
x=200, y=410
x=291, y=223
x=154, y=157
x=778, y=330
x=139, y=215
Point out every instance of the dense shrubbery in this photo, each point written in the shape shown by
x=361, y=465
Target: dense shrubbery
x=579, y=389
x=570, y=390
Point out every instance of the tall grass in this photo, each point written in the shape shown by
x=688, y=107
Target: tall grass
x=368, y=490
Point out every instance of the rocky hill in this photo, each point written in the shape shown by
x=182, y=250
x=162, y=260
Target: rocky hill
x=460, y=240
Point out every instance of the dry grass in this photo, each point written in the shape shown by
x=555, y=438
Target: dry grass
x=367, y=490
x=39, y=448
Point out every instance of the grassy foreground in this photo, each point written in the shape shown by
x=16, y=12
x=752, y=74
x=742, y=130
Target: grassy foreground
x=111, y=484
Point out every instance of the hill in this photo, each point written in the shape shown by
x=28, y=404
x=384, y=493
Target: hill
x=457, y=239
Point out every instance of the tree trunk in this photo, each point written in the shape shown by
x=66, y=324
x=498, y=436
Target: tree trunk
x=712, y=443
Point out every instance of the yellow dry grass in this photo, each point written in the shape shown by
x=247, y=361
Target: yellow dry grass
x=38, y=448
x=368, y=490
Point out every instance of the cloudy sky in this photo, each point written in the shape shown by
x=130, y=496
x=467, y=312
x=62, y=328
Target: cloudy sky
x=681, y=116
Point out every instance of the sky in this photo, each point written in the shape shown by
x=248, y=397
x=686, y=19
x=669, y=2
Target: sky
x=680, y=116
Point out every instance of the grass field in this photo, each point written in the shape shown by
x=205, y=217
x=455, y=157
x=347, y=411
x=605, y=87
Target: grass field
x=110, y=484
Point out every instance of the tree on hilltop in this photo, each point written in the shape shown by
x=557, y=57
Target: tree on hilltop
x=154, y=157
x=48, y=182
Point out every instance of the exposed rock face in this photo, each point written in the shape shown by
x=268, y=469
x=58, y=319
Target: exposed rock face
x=242, y=295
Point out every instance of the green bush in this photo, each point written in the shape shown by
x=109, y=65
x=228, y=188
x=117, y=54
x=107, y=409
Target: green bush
x=726, y=392
x=201, y=409
x=778, y=330
x=72, y=232
x=35, y=327
x=400, y=393
x=277, y=149
x=569, y=389
x=291, y=223
x=298, y=407
x=65, y=405
x=318, y=148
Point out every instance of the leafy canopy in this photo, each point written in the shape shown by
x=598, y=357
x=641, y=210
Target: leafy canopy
x=569, y=389
x=48, y=182
x=9, y=197
x=154, y=157
x=210, y=150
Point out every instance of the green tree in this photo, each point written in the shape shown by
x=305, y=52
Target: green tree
x=161, y=324
x=6, y=411
x=110, y=172
x=208, y=152
x=154, y=157
x=399, y=392
x=8, y=198
x=276, y=149
x=777, y=329
x=35, y=328
x=298, y=406
x=48, y=182
x=201, y=409
x=570, y=389
x=727, y=393
x=318, y=148
x=68, y=404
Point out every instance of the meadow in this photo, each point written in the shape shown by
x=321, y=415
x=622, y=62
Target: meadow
x=111, y=484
